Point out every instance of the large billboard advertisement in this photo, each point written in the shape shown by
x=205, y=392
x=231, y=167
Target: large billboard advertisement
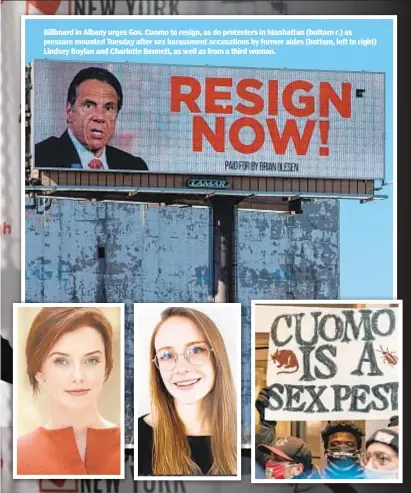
x=208, y=120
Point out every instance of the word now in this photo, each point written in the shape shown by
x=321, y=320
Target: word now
x=280, y=140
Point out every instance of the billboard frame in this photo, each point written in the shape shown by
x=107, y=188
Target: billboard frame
x=152, y=187
x=30, y=101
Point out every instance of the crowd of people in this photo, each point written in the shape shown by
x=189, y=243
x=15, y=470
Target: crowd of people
x=345, y=457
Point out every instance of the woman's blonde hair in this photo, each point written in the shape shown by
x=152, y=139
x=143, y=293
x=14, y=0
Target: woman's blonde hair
x=171, y=450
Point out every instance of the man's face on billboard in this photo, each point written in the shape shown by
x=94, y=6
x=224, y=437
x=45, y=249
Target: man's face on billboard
x=93, y=116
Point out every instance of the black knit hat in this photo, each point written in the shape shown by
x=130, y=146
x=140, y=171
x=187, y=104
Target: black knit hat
x=387, y=436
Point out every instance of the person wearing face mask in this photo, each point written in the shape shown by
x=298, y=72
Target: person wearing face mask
x=381, y=460
x=266, y=435
x=290, y=458
x=294, y=460
x=342, y=445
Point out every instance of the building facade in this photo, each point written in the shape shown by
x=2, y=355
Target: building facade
x=119, y=253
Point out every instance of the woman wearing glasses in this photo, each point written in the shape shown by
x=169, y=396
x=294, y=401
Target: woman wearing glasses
x=381, y=459
x=192, y=427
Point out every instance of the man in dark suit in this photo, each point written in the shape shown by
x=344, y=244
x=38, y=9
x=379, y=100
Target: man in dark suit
x=94, y=100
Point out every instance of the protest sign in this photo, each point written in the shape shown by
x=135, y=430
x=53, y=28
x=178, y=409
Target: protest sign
x=333, y=363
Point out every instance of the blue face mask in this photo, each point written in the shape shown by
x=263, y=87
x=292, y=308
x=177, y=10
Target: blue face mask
x=380, y=474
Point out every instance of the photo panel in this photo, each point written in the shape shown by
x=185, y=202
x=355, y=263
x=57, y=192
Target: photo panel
x=273, y=266
x=327, y=391
x=68, y=392
x=300, y=153
x=187, y=391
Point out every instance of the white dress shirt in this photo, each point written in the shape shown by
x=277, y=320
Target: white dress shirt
x=85, y=155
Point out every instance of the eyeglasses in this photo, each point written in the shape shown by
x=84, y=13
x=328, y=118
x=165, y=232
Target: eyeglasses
x=381, y=458
x=196, y=354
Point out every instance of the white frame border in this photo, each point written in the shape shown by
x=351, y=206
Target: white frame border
x=16, y=306
x=237, y=477
x=320, y=303
x=393, y=18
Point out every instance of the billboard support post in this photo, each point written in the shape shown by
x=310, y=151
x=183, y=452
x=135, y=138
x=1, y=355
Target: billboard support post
x=223, y=212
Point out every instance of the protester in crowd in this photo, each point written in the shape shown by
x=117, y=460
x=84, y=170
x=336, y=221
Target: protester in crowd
x=69, y=357
x=285, y=458
x=94, y=100
x=290, y=459
x=267, y=433
x=192, y=427
x=342, y=442
x=381, y=458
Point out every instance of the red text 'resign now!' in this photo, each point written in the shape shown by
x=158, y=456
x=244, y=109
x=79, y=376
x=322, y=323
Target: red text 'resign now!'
x=299, y=99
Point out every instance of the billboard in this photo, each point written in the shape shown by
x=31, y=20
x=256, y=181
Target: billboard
x=205, y=120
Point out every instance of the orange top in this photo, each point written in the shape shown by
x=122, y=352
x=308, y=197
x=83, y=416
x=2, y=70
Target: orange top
x=55, y=452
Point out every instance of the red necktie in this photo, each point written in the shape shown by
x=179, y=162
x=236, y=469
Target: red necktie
x=95, y=164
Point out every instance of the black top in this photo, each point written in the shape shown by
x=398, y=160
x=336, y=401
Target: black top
x=200, y=447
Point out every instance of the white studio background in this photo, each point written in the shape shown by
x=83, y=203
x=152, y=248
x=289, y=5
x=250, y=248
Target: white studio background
x=227, y=317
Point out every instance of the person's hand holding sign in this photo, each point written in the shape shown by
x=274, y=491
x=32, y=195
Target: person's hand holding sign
x=267, y=433
x=262, y=402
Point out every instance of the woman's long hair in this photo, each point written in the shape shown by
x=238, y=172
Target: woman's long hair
x=171, y=450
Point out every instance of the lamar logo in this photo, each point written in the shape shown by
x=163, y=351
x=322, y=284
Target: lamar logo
x=204, y=183
x=48, y=7
x=58, y=485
